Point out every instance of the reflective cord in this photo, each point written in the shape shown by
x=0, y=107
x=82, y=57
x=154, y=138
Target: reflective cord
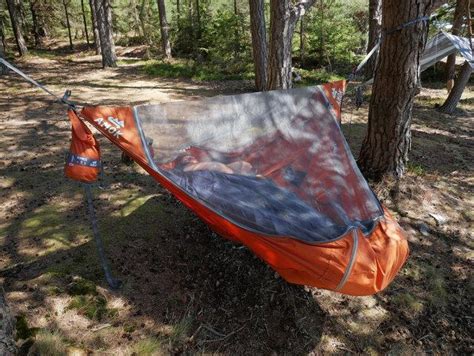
x=62, y=100
x=113, y=283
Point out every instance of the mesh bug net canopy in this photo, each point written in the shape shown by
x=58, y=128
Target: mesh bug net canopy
x=276, y=162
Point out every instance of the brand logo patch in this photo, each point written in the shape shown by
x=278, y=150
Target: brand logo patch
x=112, y=125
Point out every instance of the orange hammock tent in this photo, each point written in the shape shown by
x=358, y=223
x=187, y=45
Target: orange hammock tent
x=268, y=170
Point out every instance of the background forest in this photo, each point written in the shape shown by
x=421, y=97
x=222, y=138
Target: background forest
x=209, y=39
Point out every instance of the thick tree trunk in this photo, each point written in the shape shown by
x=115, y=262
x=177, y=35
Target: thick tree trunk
x=259, y=42
x=282, y=26
x=459, y=12
x=104, y=22
x=283, y=17
x=65, y=3
x=456, y=92
x=388, y=139
x=375, y=31
x=165, y=40
x=13, y=10
x=95, y=26
x=85, y=22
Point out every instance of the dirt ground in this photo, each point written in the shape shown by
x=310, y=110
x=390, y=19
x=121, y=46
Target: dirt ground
x=185, y=290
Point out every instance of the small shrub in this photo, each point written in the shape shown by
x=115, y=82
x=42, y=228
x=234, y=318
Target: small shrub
x=93, y=307
x=81, y=286
x=49, y=343
x=23, y=331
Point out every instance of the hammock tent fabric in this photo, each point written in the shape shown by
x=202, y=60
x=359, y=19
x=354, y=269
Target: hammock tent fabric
x=269, y=170
x=437, y=48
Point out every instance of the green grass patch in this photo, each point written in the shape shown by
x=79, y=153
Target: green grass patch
x=415, y=169
x=438, y=295
x=49, y=343
x=316, y=76
x=23, y=331
x=81, y=286
x=148, y=347
x=191, y=70
x=93, y=307
x=180, y=331
x=408, y=302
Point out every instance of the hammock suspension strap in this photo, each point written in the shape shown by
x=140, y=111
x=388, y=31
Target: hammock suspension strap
x=113, y=282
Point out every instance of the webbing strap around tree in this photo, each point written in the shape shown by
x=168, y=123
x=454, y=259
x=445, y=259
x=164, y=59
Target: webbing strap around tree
x=379, y=42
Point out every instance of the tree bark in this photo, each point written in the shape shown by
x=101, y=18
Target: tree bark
x=375, y=31
x=455, y=94
x=165, y=40
x=7, y=328
x=178, y=11
x=35, y=30
x=3, y=69
x=259, y=43
x=85, y=22
x=301, y=41
x=387, y=143
x=65, y=3
x=459, y=12
x=104, y=22
x=13, y=10
x=283, y=17
x=95, y=26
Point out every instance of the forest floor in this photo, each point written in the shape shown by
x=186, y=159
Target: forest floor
x=185, y=290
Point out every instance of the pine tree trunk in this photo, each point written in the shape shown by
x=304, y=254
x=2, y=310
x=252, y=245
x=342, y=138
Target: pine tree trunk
x=301, y=41
x=282, y=26
x=259, y=43
x=85, y=22
x=2, y=35
x=95, y=26
x=387, y=142
x=35, y=30
x=104, y=22
x=375, y=31
x=71, y=46
x=455, y=94
x=13, y=10
x=165, y=41
x=283, y=17
x=459, y=12
x=3, y=69
x=178, y=11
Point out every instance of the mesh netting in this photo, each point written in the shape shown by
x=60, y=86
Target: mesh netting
x=275, y=163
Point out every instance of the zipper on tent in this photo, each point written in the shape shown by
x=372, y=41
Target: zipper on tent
x=348, y=271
